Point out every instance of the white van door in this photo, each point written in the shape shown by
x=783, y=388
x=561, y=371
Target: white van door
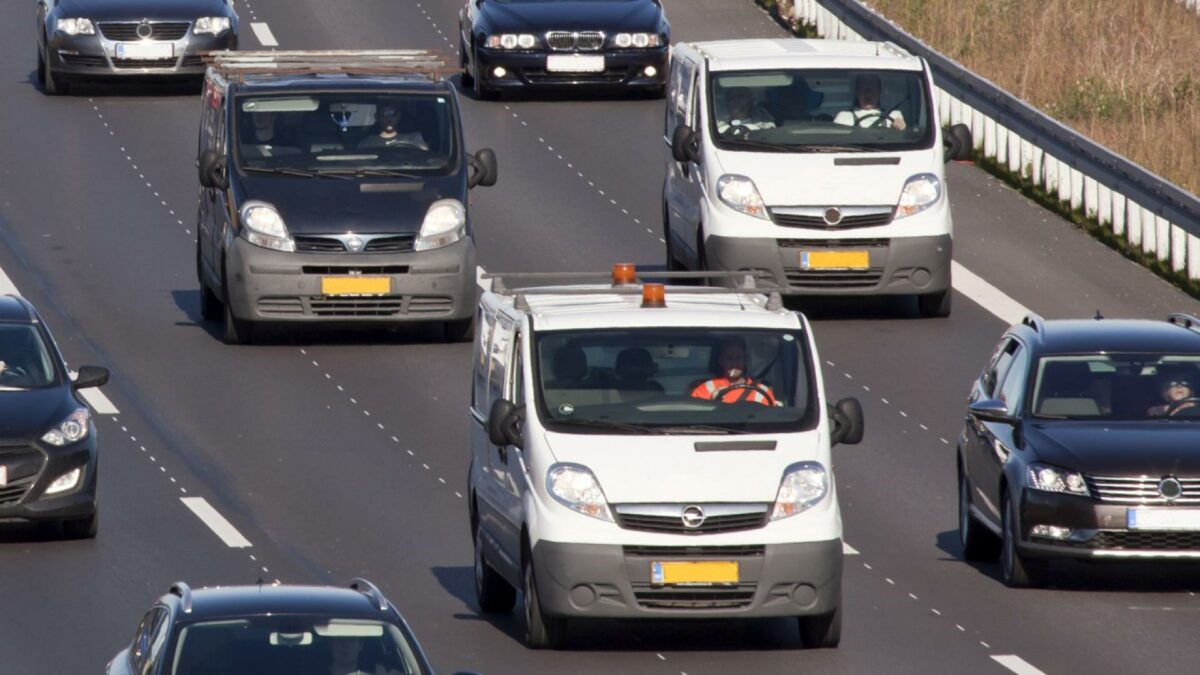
x=684, y=188
x=504, y=518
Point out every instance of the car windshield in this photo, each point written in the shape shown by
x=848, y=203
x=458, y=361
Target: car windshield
x=674, y=380
x=291, y=645
x=820, y=111
x=346, y=134
x=24, y=360
x=1118, y=387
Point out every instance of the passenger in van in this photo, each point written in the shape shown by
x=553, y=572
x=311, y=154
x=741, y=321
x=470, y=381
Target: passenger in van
x=795, y=103
x=1174, y=385
x=868, y=89
x=264, y=136
x=742, y=114
x=731, y=383
x=634, y=370
x=389, y=133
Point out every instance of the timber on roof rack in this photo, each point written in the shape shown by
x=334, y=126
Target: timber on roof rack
x=744, y=281
x=423, y=63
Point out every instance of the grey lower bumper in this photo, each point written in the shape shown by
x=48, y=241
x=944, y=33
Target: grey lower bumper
x=898, y=266
x=93, y=57
x=604, y=580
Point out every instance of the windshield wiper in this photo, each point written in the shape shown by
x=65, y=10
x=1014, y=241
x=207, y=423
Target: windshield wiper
x=608, y=425
x=836, y=148
x=701, y=429
x=284, y=171
x=756, y=145
x=360, y=173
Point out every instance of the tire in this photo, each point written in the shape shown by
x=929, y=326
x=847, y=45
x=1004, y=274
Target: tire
x=822, y=631
x=673, y=264
x=493, y=594
x=480, y=91
x=211, y=308
x=237, y=331
x=82, y=528
x=459, y=330
x=541, y=631
x=1017, y=570
x=934, y=305
x=978, y=543
x=467, y=80
x=41, y=68
x=51, y=86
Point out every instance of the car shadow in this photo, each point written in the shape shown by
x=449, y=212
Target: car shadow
x=583, y=94
x=27, y=533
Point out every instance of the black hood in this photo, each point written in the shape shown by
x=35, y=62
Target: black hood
x=336, y=206
x=1118, y=448
x=538, y=17
x=135, y=10
x=26, y=415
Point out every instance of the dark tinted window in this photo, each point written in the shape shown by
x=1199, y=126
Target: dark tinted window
x=1118, y=386
x=25, y=361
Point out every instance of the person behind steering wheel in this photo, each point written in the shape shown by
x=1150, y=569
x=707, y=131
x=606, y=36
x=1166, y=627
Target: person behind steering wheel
x=744, y=115
x=866, y=113
x=1177, y=389
x=733, y=385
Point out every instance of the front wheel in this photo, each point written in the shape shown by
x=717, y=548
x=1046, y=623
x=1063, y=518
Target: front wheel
x=41, y=68
x=541, y=631
x=492, y=592
x=51, y=85
x=977, y=543
x=934, y=305
x=210, y=304
x=1017, y=570
x=467, y=80
x=236, y=331
x=822, y=631
x=82, y=528
x=479, y=91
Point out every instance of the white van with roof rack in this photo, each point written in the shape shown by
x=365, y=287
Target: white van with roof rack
x=650, y=451
x=819, y=162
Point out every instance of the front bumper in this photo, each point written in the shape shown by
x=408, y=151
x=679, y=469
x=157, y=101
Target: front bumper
x=1098, y=531
x=33, y=467
x=267, y=285
x=95, y=56
x=624, y=68
x=897, y=266
x=606, y=580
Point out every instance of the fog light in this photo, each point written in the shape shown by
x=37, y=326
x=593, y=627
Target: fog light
x=650, y=71
x=65, y=482
x=499, y=72
x=1051, y=531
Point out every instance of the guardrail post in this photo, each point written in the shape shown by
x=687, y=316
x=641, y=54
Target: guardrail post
x=1162, y=228
x=1118, y=214
x=1051, y=176
x=1149, y=238
x=1133, y=226
x=1193, y=256
x=1076, y=194
x=1178, y=248
x=1104, y=202
x=1091, y=197
x=989, y=137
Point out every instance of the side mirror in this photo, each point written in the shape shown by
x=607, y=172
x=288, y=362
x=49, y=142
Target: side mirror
x=483, y=166
x=990, y=410
x=958, y=142
x=213, y=170
x=504, y=423
x=90, y=376
x=847, y=416
x=684, y=147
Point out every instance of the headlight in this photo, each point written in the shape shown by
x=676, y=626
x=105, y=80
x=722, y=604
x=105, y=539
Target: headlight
x=75, y=26
x=65, y=482
x=920, y=192
x=804, y=484
x=71, y=430
x=263, y=226
x=638, y=40
x=211, y=25
x=1051, y=479
x=739, y=193
x=575, y=487
x=445, y=223
x=512, y=41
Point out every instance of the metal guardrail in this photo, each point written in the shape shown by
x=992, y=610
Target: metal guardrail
x=1147, y=210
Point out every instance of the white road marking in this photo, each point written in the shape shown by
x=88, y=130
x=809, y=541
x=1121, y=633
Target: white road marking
x=1016, y=664
x=484, y=284
x=263, y=32
x=98, y=401
x=216, y=522
x=6, y=285
x=986, y=295
x=847, y=549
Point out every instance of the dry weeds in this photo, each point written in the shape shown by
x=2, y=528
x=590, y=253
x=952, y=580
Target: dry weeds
x=1123, y=72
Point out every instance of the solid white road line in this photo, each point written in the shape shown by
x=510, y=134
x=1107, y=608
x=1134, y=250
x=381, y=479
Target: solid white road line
x=986, y=295
x=6, y=285
x=1016, y=664
x=216, y=522
x=484, y=284
x=98, y=402
x=847, y=549
x=263, y=32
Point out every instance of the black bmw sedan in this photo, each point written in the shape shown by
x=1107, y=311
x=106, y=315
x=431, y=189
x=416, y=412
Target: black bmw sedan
x=47, y=439
x=545, y=44
x=107, y=39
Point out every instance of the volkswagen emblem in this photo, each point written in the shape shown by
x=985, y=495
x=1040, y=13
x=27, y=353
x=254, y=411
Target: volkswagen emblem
x=833, y=215
x=355, y=243
x=692, y=517
x=1170, y=488
x=145, y=30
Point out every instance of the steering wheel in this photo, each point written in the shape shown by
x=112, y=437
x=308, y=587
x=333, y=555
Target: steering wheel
x=885, y=116
x=739, y=131
x=14, y=372
x=1189, y=403
x=720, y=395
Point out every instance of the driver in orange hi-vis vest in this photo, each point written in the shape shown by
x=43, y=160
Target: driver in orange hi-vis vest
x=733, y=385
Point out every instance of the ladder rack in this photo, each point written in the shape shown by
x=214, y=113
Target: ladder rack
x=423, y=63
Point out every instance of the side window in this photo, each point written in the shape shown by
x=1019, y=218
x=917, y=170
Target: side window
x=484, y=322
x=998, y=366
x=1012, y=389
x=139, y=651
x=682, y=77
x=517, y=372
x=499, y=355
x=693, y=98
x=158, y=638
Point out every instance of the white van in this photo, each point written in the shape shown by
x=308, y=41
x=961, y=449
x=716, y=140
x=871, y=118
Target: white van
x=818, y=161
x=641, y=451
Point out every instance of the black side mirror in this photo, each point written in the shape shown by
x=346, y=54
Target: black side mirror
x=483, y=166
x=847, y=416
x=684, y=147
x=212, y=170
x=990, y=410
x=958, y=142
x=90, y=376
x=504, y=423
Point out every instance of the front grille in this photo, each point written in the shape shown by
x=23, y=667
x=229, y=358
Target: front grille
x=698, y=552
x=159, y=30
x=833, y=278
x=24, y=466
x=539, y=76
x=1140, y=490
x=667, y=518
x=817, y=244
x=311, y=244
x=818, y=222
x=394, y=244
x=399, y=243
x=584, y=41
x=1134, y=540
x=15, y=491
x=733, y=596
x=85, y=60
x=354, y=269
x=350, y=307
x=145, y=63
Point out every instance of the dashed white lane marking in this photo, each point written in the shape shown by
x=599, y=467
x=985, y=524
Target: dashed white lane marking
x=263, y=32
x=484, y=284
x=1016, y=664
x=986, y=295
x=216, y=522
x=847, y=549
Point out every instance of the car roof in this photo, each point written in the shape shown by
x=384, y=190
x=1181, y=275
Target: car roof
x=793, y=53
x=1067, y=336
x=334, y=82
x=244, y=601
x=15, y=309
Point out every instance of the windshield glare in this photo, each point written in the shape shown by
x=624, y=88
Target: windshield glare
x=285, y=645
x=24, y=360
x=1118, y=387
x=345, y=132
x=642, y=380
x=820, y=110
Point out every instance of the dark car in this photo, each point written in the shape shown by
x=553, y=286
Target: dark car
x=114, y=39
x=47, y=439
x=335, y=199
x=545, y=44
x=1081, y=441
x=272, y=630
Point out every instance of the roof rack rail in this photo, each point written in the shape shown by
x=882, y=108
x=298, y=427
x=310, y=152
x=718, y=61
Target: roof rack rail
x=501, y=281
x=185, y=595
x=425, y=63
x=371, y=591
x=1037, y=323
x=1185, y=320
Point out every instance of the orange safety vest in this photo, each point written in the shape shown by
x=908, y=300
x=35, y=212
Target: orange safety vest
x=707, y=390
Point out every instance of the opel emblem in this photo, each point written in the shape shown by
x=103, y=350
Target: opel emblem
x=355, y=243
x=692, y=517
x=144, y=29
x=833, y=215
x=1170, y=488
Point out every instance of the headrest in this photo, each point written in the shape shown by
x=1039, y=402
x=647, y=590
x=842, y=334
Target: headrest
x=570, y=363
x=635, y=363
x=1066, y=377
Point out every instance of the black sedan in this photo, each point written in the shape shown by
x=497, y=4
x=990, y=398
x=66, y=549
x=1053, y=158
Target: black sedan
x=1082, y=440
x=107, y=39
x=564, y=44
x=47, y=439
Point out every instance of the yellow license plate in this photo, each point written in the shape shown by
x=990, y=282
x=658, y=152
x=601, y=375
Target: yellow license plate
x=835, y=260
x=351, y=285
x=700, y=572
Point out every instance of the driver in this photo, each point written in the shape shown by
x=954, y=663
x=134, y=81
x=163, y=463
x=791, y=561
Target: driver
x=744, y=115
x=388, y=134
x=1174, y=386
x=345, y=659
x=733, y=381
x=866, y=113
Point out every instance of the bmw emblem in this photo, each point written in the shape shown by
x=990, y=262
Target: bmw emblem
x=692, y=517
x=1170, y=488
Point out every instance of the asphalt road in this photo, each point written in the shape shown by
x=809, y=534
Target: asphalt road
x=338, y=454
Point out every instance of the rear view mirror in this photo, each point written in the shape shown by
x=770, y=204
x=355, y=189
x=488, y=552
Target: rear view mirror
x=847, y=417
x=504, y=423
x=684, y=147
x=958, y=142
x=213, y=170
x=989, y=410
x=90, y=376
x=483, y=166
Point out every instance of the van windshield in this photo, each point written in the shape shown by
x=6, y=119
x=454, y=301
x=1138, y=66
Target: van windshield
x=675, y=380
x=345, y=132
x=820, y=111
